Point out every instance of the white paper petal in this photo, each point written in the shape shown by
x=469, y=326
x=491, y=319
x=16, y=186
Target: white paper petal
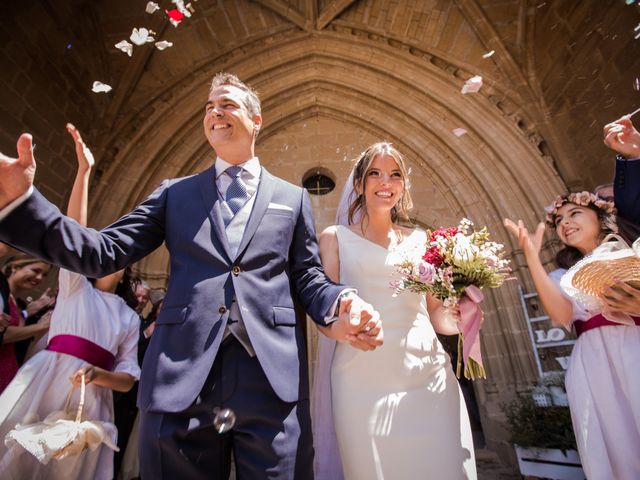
x=488, y=54
x=175, y=23
x=458, y=132
x=152, y=7
x=124, y=46
x=181, y=7
x=139, y=36
x=472, y=85
x=99, y=87
x=163, y=44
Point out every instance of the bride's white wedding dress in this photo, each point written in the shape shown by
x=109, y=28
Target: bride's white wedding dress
x=398, y=410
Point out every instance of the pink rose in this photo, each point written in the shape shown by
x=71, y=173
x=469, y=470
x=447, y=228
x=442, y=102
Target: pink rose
x=427, y=273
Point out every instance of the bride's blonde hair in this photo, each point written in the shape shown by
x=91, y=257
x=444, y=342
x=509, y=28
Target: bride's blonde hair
x=400, y=211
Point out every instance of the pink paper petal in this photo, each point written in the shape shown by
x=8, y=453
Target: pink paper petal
x=472, y=85
x=458, y=132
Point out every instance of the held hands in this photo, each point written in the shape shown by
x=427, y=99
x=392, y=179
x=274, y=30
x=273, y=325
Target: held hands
x=16, y=174
x=359, y=324
x=529, y=243
x=622, y=137
x=84, y=155
x=89, y=372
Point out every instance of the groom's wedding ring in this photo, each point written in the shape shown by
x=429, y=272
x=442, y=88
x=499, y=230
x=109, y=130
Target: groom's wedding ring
x=367, y=328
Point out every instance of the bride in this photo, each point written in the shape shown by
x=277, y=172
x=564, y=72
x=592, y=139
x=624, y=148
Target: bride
x=397, y=411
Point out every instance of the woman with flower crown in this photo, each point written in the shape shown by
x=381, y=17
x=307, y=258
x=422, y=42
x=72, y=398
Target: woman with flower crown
x=398, y=411
x=602, y=382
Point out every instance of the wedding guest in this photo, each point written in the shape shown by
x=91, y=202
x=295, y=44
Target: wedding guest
x=23, y=273
x=94, y=331
x=601, y=381
x=398, y=411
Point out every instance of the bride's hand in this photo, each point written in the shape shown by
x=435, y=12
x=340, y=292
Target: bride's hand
x=529, y=243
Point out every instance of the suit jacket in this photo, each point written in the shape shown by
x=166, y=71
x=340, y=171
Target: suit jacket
x=626, y=186
x=277, y=260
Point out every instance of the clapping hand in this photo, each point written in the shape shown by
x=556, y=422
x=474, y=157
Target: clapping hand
x=530, y=243
x=622, y=137
x=84, y=155
x=46, y=300
x=359, y=324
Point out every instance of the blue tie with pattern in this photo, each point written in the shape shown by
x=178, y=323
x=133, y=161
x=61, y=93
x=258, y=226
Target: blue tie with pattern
x=237, y=194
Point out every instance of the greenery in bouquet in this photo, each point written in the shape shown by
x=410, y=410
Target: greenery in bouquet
x=455, y=264
x=455, y=258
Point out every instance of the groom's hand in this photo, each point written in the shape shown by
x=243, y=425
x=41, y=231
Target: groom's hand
x=359, y=324
x=16, y=174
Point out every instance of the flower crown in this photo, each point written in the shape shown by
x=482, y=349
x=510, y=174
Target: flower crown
x=584, y=199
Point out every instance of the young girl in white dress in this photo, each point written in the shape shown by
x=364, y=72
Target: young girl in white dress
x=93, y=332
x=602, y=381
x=398, y=411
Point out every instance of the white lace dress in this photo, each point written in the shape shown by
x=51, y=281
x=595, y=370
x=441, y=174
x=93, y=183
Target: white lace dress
x=42, y=384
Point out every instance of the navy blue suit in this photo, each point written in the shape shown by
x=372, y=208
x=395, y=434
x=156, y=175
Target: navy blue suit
x=626, y=187
x=182, y=371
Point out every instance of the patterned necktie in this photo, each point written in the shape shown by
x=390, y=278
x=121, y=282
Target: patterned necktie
x=237, y=194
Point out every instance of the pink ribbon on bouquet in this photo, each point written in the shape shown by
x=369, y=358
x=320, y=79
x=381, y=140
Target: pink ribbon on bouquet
x=471, y=318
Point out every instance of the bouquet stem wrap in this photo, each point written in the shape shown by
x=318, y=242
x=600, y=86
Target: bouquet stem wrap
x=469, y=338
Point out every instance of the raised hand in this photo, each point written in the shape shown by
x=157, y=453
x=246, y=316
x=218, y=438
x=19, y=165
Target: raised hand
x=84, y=155
x=529, y=243
x=622, y=137
x=16, y=174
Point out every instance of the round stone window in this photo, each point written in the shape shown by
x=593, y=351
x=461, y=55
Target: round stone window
x=318, y=181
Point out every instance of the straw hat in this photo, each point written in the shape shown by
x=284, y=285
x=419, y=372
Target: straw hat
x=611, y=262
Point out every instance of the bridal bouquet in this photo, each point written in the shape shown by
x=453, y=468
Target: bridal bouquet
x=457, y=263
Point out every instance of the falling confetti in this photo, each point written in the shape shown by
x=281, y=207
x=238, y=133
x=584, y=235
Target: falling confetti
x=125, y=46
x=488, y=54
x=472, y=85
x=458, y=132
x=152, y=7
x=163, y=44
x=637, y=29
x=636, y=84
x=629, y=2
x=175, y=16
x=99, y=87
x=69, y=46
x=180, y=6
x=140, y=36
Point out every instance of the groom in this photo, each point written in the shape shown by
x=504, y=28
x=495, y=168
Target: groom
x=242, y=246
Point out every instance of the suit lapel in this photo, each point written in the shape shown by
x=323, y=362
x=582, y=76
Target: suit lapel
x=209, y=191
x=263, y=197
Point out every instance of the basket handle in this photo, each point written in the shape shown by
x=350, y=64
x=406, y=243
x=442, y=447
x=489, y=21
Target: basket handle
x=80, y=403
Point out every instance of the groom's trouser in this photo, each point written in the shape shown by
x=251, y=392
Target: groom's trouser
x=271, y=439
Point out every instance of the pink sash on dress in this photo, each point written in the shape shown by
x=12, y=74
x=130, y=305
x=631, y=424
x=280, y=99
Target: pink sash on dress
x=596, y=322
x=83, y=349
